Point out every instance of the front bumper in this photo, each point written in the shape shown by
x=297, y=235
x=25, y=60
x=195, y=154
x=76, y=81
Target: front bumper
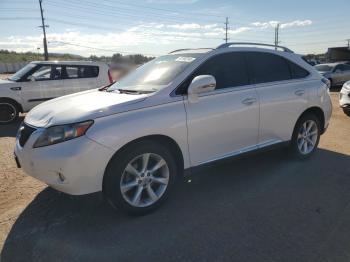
x=344, y=98
x=74, y=167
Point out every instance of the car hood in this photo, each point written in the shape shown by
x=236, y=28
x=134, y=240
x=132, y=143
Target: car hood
x=80, y=107
x=324, y=72
x=7, y=83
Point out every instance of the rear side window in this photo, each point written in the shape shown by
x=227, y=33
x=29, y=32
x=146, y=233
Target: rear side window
x=73, y=72
x=267, y=67
x=342, y=67
x=297, y=71
x=229, y=70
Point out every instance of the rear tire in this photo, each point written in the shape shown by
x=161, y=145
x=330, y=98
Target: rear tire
x=139, y=179
x=9, y=112
x=306, y=136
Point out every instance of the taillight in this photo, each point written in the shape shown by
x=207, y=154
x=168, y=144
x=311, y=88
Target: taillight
x=110, y=76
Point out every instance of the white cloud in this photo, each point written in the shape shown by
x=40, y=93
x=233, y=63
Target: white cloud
x=270, y=24
x=172, y=1
x=185, y=26
x=192, y=26
x=147, y=37
x=296, y=23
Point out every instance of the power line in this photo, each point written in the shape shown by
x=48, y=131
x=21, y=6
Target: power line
x=101, y=49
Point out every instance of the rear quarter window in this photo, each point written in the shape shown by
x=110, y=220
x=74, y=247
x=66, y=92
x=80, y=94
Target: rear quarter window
x=73, y=72
x=297, y=71
x=268, y=67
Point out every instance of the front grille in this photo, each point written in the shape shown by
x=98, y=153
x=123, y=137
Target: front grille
x=25, y=132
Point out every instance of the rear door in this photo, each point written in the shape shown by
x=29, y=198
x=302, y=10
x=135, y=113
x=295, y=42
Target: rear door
x=283, y=95
x=42, y=84
x=225, y=121
x=80, y=78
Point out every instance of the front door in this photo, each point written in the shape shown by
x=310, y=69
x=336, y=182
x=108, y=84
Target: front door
x=225, y=121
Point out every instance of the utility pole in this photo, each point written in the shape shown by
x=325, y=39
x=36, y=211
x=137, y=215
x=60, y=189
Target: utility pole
x=43, y=26
x=277, y=28
x=348, y=43
x=226, y=30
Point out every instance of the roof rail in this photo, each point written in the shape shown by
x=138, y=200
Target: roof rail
x=187, y=49
x=226, y=45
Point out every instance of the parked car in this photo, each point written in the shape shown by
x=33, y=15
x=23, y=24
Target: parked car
x=344, y=98
x=337, y=73
x=41, y=81
x=175, y=113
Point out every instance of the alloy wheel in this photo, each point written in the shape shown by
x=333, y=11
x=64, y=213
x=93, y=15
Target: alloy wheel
x=307, y=137
x=144, y=180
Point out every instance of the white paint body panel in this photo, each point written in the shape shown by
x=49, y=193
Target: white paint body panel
x=344, y=98
x=218, y=125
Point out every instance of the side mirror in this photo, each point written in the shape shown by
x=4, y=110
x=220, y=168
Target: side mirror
x=200, y=84
x=31, y=78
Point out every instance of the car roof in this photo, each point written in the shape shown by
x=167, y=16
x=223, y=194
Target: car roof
x=237, y=46
x=332, y=64
x=69, y=62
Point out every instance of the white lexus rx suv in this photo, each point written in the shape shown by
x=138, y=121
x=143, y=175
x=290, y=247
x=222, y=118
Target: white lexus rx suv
x=133, y=139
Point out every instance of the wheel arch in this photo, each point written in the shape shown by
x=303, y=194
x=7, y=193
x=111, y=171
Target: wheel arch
x=8, y=99
x=318, y=112
x=161, y=139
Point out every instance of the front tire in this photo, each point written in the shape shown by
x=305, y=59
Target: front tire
x=139, y=178
x=9, y=112
x=346, y=111
x=306, y=136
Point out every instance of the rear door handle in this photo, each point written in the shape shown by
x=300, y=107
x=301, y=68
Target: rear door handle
x=299, y=92
x=249, y=101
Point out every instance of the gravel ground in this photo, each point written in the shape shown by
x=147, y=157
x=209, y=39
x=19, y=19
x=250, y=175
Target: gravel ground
x=262, y=208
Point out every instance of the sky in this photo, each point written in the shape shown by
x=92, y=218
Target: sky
x=156, y=27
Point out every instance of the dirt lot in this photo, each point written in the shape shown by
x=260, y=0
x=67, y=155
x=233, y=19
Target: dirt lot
x=275, y=209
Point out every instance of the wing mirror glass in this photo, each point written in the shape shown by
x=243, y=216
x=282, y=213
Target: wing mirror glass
x=31, y=78
x=200, y=84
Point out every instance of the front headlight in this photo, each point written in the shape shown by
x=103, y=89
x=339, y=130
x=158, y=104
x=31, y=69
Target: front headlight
x=58, y=134
x=346, y=86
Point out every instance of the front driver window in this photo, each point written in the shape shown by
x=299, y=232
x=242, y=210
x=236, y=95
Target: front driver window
x=46, y=72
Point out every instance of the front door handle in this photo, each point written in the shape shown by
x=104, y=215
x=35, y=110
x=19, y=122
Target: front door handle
x=249, y=101
x=299, y=92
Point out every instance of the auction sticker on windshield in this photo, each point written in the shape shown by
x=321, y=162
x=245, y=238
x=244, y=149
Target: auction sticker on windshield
x=185, y=59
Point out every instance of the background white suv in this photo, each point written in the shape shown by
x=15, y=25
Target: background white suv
x=344, y=98
x=41, y=81
x=179, y=111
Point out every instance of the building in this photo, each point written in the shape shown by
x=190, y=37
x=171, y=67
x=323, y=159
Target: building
x=335, y=54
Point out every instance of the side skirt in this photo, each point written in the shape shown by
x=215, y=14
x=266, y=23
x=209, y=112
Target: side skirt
x=193, y=170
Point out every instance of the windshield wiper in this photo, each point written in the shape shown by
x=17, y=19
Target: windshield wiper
x=130, y=91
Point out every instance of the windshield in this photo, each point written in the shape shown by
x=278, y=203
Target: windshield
x=156, y=74
x=324, y=68
x=18, y=75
